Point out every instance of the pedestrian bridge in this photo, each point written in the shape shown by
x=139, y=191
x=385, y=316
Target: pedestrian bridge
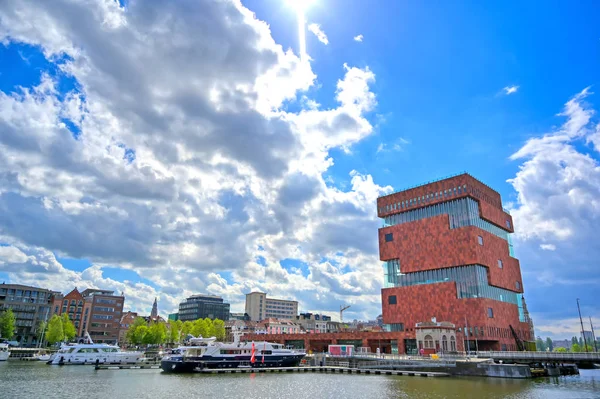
x=539, y=357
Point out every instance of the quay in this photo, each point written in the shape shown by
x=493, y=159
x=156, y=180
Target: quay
x=300, y=369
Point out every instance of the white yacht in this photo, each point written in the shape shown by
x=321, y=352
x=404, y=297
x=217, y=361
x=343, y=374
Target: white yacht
x=91, y=353
x=4, y=352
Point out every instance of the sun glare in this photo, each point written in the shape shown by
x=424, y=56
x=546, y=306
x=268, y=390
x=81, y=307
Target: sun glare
x=301, y=6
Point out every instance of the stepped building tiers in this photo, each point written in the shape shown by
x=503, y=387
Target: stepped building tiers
x=448, y=255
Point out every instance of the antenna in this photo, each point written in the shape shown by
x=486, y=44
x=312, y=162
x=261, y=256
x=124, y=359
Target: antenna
x=342, y=308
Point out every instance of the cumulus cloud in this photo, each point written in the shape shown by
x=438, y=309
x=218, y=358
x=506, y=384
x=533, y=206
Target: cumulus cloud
x=558, y=210
x=508, y=90
x=318, y=32
x=174, y=157
x=358, y=38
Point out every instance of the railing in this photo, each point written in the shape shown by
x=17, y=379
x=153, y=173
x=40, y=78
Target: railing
x=424, y=184
x=567, y=356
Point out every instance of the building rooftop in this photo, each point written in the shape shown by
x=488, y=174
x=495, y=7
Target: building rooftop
x=435, y=181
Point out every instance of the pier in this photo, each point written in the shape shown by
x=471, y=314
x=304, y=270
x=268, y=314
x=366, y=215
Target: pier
x=300, y=369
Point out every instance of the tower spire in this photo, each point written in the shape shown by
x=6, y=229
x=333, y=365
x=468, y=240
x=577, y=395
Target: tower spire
x=154, y=313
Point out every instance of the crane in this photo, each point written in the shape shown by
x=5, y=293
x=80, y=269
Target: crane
x=342, y=308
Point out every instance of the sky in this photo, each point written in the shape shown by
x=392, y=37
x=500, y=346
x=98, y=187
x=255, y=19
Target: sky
x=163, y=149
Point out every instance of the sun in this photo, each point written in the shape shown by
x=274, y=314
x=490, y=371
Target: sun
x=300, y=5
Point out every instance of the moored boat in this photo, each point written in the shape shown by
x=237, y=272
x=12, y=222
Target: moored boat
x=203, y=353
x=92, y=353
x=4, y=352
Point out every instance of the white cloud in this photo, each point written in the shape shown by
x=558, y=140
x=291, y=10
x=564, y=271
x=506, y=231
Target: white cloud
x=318, y=32
x=358, y=38
x=399, y=145
x=186, y=162
x=508, y=90
x=557, y=212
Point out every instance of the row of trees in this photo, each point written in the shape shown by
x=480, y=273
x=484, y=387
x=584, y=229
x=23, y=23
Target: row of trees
x=577, y=345
x=140, y=332
x=7, y=324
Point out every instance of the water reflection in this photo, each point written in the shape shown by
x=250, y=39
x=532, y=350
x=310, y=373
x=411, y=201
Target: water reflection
x=27, y=380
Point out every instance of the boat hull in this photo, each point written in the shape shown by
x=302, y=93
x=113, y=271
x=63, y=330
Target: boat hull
x=178, y=365
x=4, y=356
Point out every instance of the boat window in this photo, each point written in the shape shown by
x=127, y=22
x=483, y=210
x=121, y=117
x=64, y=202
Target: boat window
x=266, y=352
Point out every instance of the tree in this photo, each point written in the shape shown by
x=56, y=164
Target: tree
x=68, y=327
x=55, y=331
x=574, y=340
x=219, y=329
x=549, y=344
x=134, y=335
x=540, y=344
x=200, y=328
x=143, y=336
x=7, y=324
x=560, y=349
x=156, y=333
x=174, y=331
x=186, y=329
x=210, y=327
x=575, y=348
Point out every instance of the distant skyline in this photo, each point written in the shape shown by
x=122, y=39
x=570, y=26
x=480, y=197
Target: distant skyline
x=164, y=149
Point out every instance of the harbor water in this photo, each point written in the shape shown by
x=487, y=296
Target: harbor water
x=37, y=380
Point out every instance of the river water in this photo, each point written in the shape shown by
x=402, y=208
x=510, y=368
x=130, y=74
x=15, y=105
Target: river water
x=37, y=380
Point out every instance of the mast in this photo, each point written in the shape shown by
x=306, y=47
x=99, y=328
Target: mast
x=593, y=335
x=582, y=331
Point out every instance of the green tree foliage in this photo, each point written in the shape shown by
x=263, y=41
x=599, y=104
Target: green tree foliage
x=219, y=329
x=549, y=344
x=55, y=331
x=574, y=341
x=174, y=335
x=134, y=335
x=560, y=349
x=210, y=327
x=156, y=334
x=575, y=348
x=540, y=344
x=7, y=324
x=68, y=327
x=186, y=329
x=200, y=328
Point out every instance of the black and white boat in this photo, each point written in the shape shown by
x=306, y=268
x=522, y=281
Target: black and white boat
x=201, y=353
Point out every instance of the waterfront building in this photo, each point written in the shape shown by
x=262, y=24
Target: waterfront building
x=31, y=307
x=106, y=311
x=277, y=326
x=448, y=254
x=173, y=316
x=126, y=321
x=239, y=316
x=74, y=305
x=260, y=307
x=203, y=306
x=317, y=323
x=434, y=337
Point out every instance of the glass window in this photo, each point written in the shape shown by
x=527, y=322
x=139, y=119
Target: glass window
x=480, y=240
x=490, y=313
x=508, y=224
x=500, y=265
x=518, y=285
x=389, y=237
x=392, y=299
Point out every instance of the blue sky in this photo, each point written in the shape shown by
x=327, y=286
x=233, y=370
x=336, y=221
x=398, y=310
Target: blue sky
x=166, y=159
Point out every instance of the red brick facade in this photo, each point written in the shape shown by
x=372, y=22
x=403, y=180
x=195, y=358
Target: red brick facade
x=430, y=243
